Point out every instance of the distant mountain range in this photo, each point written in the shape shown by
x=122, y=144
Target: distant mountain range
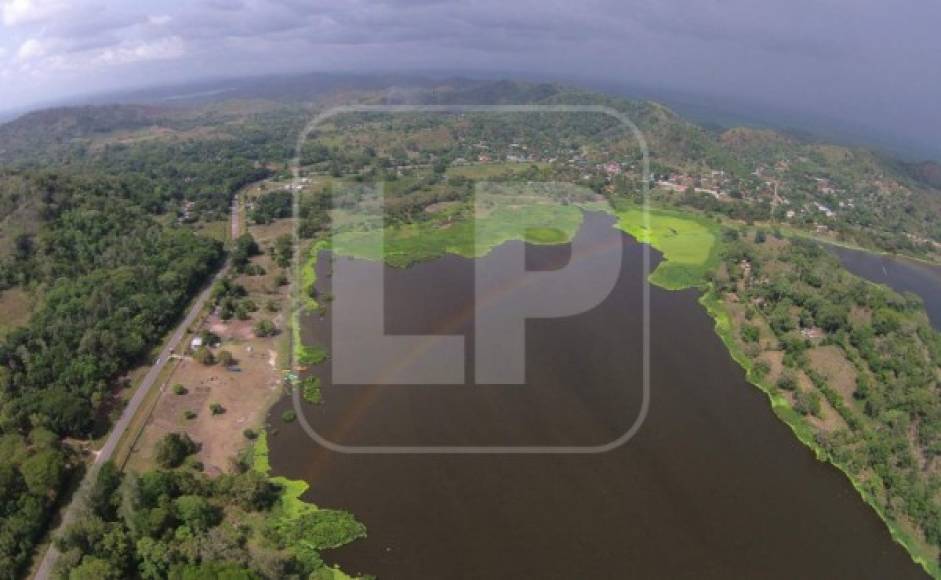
x=709, y=111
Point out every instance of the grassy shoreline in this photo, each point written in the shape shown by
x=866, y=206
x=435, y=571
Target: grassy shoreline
x=292, y=515
x=779, y=405
x=691, y=246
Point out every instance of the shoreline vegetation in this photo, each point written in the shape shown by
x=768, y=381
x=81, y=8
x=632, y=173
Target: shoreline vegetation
x=313, y=527
x=679, y=247
x=692, y=246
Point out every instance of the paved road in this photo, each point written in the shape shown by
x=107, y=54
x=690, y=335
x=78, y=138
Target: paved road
x=71, y=511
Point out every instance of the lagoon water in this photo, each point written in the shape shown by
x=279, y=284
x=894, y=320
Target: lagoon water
x=899, y=273
x=712, y=486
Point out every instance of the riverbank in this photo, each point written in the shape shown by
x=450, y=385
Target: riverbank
x=691, y=247
x=799, y=233
x=921, y=553
x=313, y=528
x=688, y=267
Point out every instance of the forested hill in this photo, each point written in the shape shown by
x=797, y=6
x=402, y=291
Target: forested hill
x=849, y=193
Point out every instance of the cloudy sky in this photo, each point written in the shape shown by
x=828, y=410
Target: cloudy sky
x=872, y=62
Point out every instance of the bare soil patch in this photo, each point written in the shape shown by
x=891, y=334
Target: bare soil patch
x=831, y=362
x=16, y=305
x=245, y=391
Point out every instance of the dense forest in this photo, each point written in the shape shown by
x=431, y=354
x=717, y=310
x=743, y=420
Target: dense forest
x=181, y=524
x=113, y=275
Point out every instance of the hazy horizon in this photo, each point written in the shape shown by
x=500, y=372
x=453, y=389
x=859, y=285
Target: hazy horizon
x=871, y=68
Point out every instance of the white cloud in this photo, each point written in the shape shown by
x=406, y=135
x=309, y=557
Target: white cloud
x=159, y=20
x=17, y=12
x=32, y=49
x=167, y=48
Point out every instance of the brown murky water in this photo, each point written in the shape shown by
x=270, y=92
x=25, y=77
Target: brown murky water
x=712, y=486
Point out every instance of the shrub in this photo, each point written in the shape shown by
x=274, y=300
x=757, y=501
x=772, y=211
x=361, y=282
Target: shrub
x=189, y=414
x=204, y=355
x=179, y=389
x=174, y=448
x=288, y=416
x=216, y=409
x=787, y=381
x=761, y=369
x=312, y=355
x=750, y=333
x=226, y=359
x=265, y=328
x=310, y=389
x=250, y=434
x=807, y=403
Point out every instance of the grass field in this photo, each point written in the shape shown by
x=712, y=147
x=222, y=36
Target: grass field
x=405, y=245
x=15, y=308
x=689, y=244
x=218, y=230
x=488, y=170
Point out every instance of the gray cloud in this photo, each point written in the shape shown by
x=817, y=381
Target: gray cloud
x=864, y=61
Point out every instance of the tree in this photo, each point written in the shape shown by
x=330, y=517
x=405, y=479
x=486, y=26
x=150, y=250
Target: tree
x=212, y=571
x=196, y=512
x=787, y=381
x=831, y=317
x=253, y=491
x=750, y=333
x=43, y=471
x=174, y=448
x=283, y=250
x=93, y=568
x=807, y=403
x=102, y=498
x=204, y=356
x=155, y=558
x=265, y=328
x=245, y=248
x=226, y=359
x=761, y=369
